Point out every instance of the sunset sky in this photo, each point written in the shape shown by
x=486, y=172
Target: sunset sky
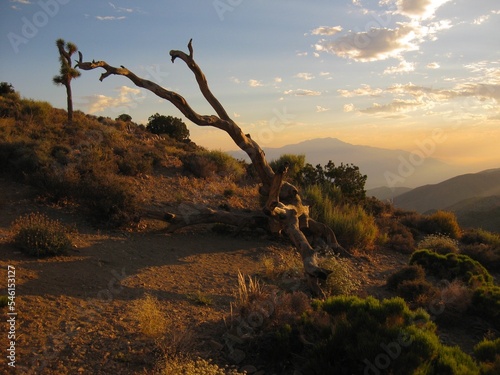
x=388, y=73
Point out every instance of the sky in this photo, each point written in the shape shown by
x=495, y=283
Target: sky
x=417, y=75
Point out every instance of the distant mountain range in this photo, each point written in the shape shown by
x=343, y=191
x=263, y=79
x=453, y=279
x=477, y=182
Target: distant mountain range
x=473, y=197
x=394, y=168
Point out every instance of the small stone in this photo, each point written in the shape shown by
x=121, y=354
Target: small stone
x=237, y=356
x=249, y=369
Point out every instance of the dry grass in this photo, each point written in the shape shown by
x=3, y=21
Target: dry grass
x=149, y=315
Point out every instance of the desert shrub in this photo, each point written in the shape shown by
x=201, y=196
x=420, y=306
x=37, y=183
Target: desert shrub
x=451, y=266
x=341, y=280
x=395, y=235
x=149, y=315
x=209, y=163
x=181, y=365
x=4, y=301
x=486, y=303
x=480, y=236
x=482, y=246
x=439, y=243
x=372, y=335
x=487, y=353
x=37, y=235
x=407, y=273
x=440, y=222
x=295, y=165
x=350, y=223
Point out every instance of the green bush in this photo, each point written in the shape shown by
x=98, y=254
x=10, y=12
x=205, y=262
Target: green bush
x=371, y=336
x=439, y=243
x=37, y=235
x=295, y=165
x=452, y=266
x=407, y=273
x=488, y=354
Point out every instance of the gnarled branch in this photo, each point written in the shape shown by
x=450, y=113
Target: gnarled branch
x=284, y=209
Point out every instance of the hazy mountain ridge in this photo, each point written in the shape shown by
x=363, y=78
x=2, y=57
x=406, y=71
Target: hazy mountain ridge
x=381, y=165
x=450, y=192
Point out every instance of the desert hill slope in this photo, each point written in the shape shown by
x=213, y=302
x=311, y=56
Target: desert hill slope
x=450, y=192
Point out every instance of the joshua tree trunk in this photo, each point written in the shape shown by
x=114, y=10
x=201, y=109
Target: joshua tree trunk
x=283, y=210
x=69, y=102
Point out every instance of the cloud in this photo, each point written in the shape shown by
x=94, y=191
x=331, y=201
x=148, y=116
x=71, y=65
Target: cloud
x=278, y=80
x=349, y=107
x=304, y=76
x=433, y=65
x=254, y=83
x=376, y=44
x=403, y=67
x=302, y=92
x=364, y=90
x=120, y=9
x=326, y=30
x=321, y=109
x=397, y=105
x=21, y=1
x=379, y=41
x=128, y=97
x=480, y=20
x=419, y=9
x=110, y=18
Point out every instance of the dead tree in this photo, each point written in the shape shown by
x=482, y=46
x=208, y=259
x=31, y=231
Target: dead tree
x=283, y=211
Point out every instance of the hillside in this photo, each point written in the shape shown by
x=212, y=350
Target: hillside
x=373, y=161
x=130, y=295
x=385, y=193
x=478, y=212
x=450, y=192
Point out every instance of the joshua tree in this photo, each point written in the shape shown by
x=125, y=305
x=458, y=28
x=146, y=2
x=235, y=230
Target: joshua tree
x=283, y=210
x=67, y=72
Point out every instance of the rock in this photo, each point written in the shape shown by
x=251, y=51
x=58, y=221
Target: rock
x=237, y=356
x=249, y=369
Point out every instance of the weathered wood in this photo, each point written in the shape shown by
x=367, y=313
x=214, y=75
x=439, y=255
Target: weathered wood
x=284, y=209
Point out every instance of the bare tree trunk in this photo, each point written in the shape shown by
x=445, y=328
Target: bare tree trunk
x=70, y=103
x=283, y=208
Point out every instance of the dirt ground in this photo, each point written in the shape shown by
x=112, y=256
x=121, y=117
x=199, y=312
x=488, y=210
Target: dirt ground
x=75, y=312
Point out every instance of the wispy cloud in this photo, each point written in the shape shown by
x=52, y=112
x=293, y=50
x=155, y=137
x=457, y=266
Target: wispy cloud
x=433, y=65
x=255, y=83
x=302, y=92
x=402, y=67
x=326, y=30
x=128, y=97
x=110, y=18
x=304, y=76
x=321, y=109
x=364, y=90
